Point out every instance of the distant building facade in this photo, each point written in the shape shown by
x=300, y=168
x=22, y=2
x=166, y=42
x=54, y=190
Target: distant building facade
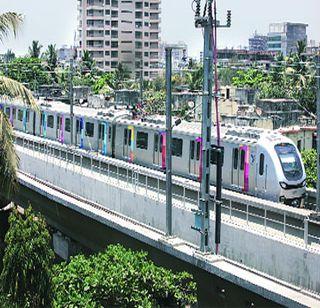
x=283, y=37
x=258, y=42
x=65, y=53
x=126, y=32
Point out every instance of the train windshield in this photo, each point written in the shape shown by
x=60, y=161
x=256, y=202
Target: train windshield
x=290, y=161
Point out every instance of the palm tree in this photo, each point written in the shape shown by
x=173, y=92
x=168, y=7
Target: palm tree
x=9, y=23
x=35, y=49
x=88, y=62
x=51, y=56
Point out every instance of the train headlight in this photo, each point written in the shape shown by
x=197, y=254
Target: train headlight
x=303, y=184
x=283, y=185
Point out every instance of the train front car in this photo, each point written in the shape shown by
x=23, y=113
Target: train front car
x=288, y=183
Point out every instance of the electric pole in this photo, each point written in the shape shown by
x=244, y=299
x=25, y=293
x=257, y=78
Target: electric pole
x=141, y=81
x=71, y=73
x=318, y=130
x=168, y=141
x=209, y=24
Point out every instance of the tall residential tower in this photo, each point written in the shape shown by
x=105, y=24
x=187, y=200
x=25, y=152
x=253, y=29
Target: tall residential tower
x=121, y=31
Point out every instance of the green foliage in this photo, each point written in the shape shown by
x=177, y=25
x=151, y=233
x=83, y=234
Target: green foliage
x=251, y=78
x=309, y=159
x=194, y=79
x=26, y=273
x=292, y=77
x=120, y=277
x=29, y=71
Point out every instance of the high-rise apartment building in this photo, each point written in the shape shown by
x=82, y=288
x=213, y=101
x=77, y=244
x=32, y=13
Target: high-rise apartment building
x=121, y=31
x=283, y=37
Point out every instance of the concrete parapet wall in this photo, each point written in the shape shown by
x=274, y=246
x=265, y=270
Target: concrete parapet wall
x=280, y=258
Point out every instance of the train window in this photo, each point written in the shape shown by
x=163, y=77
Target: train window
x=28, y=116
x=235, y=158
x=142, y=140
x=177, y=147
x=89, y=129
x=192, y=143
x=125, y=136
x=58, y=122
x=101, y=131
x=161, y=142
x=78, y=126
x=20, y=115
x=198, y=150
x=261, y=164
x=67, y=126
x=156, y=143
x=14, y=113
x=110, y=133
x=7, y=111
x=50, y=121
x=299, y=145
x=242, y=157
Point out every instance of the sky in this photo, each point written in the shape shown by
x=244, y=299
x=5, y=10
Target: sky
x=55, y=21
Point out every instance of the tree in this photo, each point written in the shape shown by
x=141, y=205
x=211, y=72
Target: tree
x=121, y=75
x=9, y=88
x=120, y=277
x=26, y=275
x=194, y=79
x=35, y=49
x=9, y=56
x=88, y=64
x=51, y=56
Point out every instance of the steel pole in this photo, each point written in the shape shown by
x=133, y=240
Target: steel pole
x=71, y=102
x=318, y=131
x=141, y=82
x=206, y=134
x=168, y=142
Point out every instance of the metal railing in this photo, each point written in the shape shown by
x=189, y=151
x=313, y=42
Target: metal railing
x=290, y=223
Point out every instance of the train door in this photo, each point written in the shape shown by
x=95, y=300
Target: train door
x=60, y=129
x=43, y=125
x=127, y=139
x=195, y=157
x=103, y=135
x=242, y=168
x=235, y=168
x=80, y=132
x=158, y=149
x=262, y=173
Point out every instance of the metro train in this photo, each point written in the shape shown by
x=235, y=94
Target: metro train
x=257, y=162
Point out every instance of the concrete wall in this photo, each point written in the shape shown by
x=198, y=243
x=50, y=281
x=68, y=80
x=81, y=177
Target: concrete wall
x=273, y=256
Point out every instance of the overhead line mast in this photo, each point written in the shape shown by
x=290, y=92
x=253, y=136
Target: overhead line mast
x=210, y=24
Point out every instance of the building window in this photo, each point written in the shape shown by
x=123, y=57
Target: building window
x=142, y=140
x=89, y=129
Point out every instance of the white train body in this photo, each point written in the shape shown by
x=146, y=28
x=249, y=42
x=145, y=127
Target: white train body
x=256, y=161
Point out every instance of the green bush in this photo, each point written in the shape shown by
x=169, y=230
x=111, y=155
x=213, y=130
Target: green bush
x=309, y=158
x=120, y=277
